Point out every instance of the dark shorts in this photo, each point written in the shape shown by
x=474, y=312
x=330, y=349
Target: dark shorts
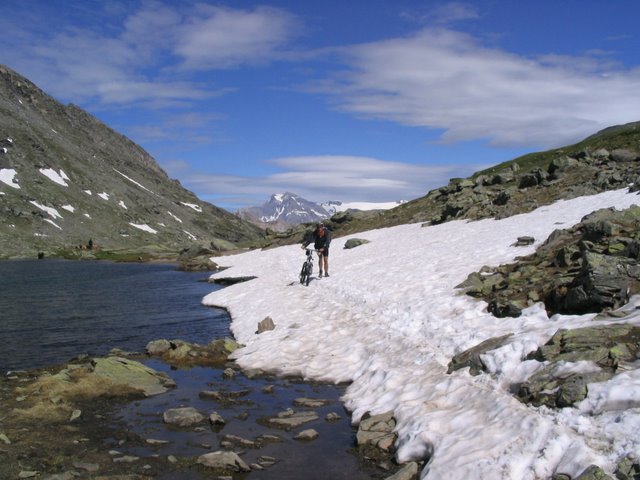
x=325, y=253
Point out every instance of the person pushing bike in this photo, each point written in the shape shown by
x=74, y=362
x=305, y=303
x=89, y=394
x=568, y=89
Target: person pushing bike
x=321, y=238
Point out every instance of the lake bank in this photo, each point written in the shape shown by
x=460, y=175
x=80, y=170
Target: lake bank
x=167, y=302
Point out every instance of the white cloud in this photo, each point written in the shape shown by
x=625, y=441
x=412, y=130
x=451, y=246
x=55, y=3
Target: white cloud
x=326, y=177
x=443, y=79
x=219, y=37
x=144, y=55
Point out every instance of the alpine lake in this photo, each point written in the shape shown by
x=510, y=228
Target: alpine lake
x=52, y=311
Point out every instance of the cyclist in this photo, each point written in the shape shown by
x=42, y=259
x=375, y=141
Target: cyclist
x=321, y=238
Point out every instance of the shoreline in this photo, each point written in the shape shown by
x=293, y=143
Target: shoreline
x=131, y=426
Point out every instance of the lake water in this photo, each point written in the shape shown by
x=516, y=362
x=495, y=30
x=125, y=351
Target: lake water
x=54, y=310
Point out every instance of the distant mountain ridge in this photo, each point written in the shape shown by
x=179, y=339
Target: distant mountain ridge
x=285, y=209
x=66, y=178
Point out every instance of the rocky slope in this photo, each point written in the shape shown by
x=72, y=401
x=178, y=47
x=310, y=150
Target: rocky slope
x=69, y=182
x=604, y=161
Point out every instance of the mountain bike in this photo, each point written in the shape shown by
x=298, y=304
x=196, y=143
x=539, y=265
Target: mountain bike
x=307, y=268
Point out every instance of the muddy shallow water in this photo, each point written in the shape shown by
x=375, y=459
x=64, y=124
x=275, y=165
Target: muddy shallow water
x=328, y=456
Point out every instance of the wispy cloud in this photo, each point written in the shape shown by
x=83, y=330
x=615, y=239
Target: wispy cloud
x=322, y=178
x=219, y=37
x=445, y=79
x=146, y=56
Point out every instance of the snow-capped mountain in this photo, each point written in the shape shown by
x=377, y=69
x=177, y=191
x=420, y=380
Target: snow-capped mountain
x=285, y=209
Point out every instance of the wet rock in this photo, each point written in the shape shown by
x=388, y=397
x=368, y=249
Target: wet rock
x=230, y=441
x=158, y=347
x=224, y=461
x=216, y=419
x=180, y=353
x=290, y=419
x=408, y=472
x=307, y=435
x=311, y=402
x=228, y=373
x=182, y=417
x=332, y=417
x=132, y=374
x=377, y=431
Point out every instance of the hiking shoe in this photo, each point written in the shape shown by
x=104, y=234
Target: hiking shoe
x=320, y=275
x=326, y=274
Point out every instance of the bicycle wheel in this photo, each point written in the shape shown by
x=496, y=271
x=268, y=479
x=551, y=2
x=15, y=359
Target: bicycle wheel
x=309, y=269
x=305, y=274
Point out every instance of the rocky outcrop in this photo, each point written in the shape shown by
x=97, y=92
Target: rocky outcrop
x=606, y=348
x=132, y=374
x=591, y=267
x=181, y=353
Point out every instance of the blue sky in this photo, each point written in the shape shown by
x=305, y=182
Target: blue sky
x=359, y=100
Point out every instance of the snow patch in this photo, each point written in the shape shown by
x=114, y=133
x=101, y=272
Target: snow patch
x=390, y=328
x=190, y=235
x=56, y=177
x=133, y=181
x=144, y=227
x=88, y=216
x=50, y=210
x=88, y=192
x=121, y=203
x=196, y=207
x=7, y=176
x=53, y=223
x=69, y=208
x=104, y=195
x=176, y=218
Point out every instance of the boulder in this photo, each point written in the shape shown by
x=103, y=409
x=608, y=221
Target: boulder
x=224, y=461
x=266, y=325
x=624, y=155
x=377, y=431
x=355, y=242
x=182, y=417
x=471, y=357
x=126, y=372
x=407, y=472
